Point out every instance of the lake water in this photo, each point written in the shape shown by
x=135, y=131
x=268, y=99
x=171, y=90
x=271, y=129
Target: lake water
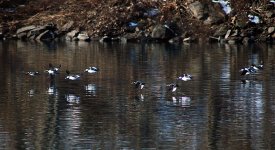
x=215, y=110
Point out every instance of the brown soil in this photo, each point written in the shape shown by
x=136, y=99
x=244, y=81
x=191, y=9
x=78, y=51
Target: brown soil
x=108, y=17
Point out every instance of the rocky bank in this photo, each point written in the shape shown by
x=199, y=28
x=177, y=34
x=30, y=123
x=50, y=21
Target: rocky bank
x=176, y=21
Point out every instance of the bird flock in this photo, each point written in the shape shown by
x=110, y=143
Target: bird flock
x=52, y=71
x=251, y=69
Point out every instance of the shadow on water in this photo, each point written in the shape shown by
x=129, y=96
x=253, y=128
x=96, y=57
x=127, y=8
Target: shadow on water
x=218, y=109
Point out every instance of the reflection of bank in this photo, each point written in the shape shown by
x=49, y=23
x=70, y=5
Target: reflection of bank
x=181, y=101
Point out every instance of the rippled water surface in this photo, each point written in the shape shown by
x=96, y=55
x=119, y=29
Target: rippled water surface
x=215, y=110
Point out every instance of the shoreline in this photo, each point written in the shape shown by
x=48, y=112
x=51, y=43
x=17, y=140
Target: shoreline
x=154, y=21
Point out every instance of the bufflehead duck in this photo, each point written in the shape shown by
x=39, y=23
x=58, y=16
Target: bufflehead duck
x=91, y=70
x=52, y=70
x=55, y=69
x=32, y=73
x=172, y=87
x=245, y=71
x=72, y=77
x=185, y=77
x=261, y=67
x=251, y=69
x=139, y=84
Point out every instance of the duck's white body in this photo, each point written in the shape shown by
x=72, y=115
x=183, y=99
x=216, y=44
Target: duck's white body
x=185, y=77
x=32, y=73
x=91, y=70
x=73, y=77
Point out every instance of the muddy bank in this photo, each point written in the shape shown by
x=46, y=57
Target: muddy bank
x=156, y=20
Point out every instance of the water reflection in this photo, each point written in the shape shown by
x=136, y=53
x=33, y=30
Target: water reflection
x=218, y=109
x=182, y=101
x=90, y=89
x=52, y=90
x=72, y=98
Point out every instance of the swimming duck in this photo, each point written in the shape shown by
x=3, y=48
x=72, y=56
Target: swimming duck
x=72, y=77
x=172, y=87
x=91, y=70
x=139, y=84
x=32, y=73
x=185, y=77
x=50, y=72
x=245, y=71
x=251, y=69
x=260, y=67
x=55, y=69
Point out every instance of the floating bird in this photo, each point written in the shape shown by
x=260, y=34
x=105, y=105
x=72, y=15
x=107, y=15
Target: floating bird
x=32, y=73
x=55, y=69
x=50, y=72
x=251, y=69
x=139, y=84
x=185, y=77
x=72, y=77
x=172, y=87
x=260, y=67
x=91, y=70
x=245, y=71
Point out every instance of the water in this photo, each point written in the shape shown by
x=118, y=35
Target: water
x=104, y=111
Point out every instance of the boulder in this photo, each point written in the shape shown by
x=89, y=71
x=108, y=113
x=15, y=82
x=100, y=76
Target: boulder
x=197, y=10
x=46, y=36
x=72, y=35
x=162, y=32
x=158, y=31
x=83, y=36
x=221, y=31
x=25, y=29
x=22, y=35
x=270, y=30
x=269, y=14
x=36, y=31
x=67, y=27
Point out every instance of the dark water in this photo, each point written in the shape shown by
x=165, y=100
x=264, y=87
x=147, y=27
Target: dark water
x=103, y=111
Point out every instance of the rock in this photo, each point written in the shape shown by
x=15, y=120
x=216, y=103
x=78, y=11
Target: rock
x=162, y=32
x=25, y=29
x=221, y=31
x=36, y=31
x=105, y=39
x=215, y=15
x=67, y=27
x=270, y=30
x=227, y=34
x=158, y=32
x=234, y=40
x=83, y=36
x=247, y=40
x=235, y=33
x=22, y=35
x=269, y=14
x=177, y=40
x=213, y=19
x=71, y=35
x=197, y=10
x=46, y=36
